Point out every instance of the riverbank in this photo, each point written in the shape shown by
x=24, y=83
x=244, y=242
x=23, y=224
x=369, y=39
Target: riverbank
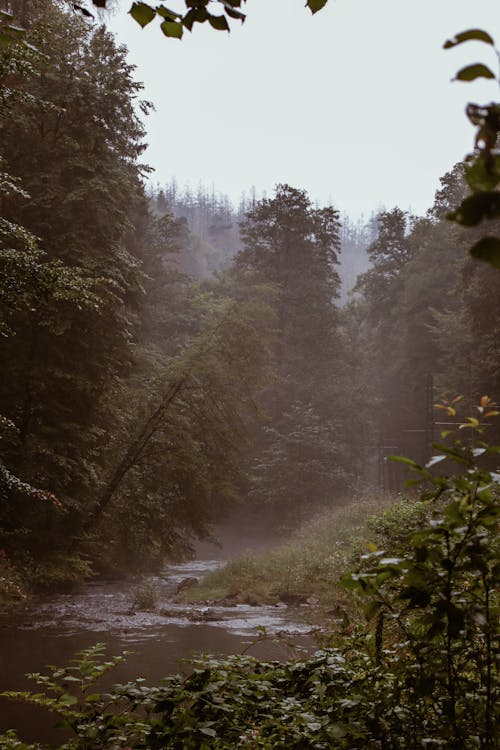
x=382, y=680
x=305, y=570
x=157, y=637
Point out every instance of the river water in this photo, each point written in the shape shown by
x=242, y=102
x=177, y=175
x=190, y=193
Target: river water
x=56, y=628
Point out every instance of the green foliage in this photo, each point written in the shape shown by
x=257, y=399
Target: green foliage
x=145, y=597
x=196, y=12
x=311, y=562
x=12, y=590
x=487, y=249
x=176, y=462
x=128, y=387
x=66, y=265
x=70, y=694
x=172, y=23
x=294, y=245
x=440, y=601
x=425, y=673
x=315, y=5
x=11, y=35
x=472, y=34
x=300, y=454
x=483, y=170
x=61, y=570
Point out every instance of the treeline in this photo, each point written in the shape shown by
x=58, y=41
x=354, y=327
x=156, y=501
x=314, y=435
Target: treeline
x=165, y=356
x=213, y=238
x=124, y=385
x=426, y=323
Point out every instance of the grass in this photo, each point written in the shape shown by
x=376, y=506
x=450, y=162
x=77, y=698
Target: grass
x=313, y=560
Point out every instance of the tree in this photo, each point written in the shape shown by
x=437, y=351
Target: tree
x=127, y=385
x=299, y=463
x=295, y=246
x=69, y=271
x=177, y=460
x=427, y=324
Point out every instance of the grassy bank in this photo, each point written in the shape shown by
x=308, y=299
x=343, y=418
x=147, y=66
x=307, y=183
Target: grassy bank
x=311, y=562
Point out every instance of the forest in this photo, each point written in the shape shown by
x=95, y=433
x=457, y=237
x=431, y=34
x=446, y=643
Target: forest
x=170, y=360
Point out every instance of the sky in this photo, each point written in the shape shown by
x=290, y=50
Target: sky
x=354, y=104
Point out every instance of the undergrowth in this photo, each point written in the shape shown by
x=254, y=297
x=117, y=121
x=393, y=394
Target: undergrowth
x=312, y=561
x=418, y=669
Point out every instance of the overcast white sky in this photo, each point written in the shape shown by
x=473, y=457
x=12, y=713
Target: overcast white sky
x=354, y=104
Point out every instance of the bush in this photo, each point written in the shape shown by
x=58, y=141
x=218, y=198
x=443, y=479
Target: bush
x=145, y=597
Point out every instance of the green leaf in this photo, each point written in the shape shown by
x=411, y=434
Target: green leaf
x=477, y=35
x=232, y=13
x=68, y=700
x=167, y=13
x=487, y=250
x=189, y=20
x=172, y=29
x=16, y=31
x=208, y=731
x=474, y=208
x=194, y=15
x=405, y=460
x=483, y=175
x=218, y=22
x=315, y=5
x=142, y=13
x=471, y=72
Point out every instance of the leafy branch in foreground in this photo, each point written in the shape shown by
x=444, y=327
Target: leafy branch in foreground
x=173, y=22
x=437, y=607
x=482, y=172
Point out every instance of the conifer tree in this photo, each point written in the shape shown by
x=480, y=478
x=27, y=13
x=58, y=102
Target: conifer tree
x=295, y=246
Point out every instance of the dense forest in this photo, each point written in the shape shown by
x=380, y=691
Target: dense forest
x=168, y=357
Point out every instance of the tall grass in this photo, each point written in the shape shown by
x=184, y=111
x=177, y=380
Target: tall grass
x=313, y=559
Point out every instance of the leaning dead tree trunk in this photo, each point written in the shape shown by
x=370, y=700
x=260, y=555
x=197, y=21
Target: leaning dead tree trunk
x=151, y=425
x=134, y=453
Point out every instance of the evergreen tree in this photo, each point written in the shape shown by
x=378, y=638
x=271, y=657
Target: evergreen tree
x=295, y=246
x=69, y=255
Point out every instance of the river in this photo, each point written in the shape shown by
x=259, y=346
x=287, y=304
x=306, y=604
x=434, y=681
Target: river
x=56, y=628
